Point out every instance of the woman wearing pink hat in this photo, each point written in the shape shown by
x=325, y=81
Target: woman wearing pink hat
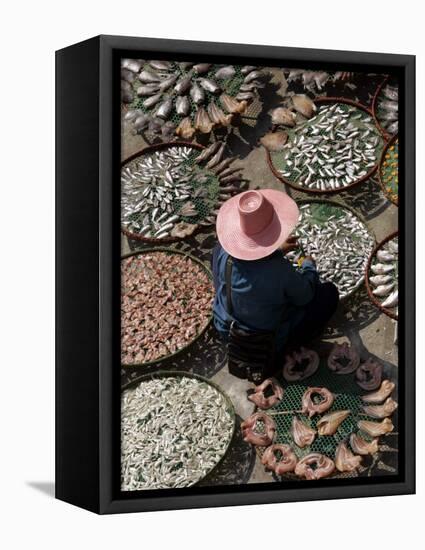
x=267, y=293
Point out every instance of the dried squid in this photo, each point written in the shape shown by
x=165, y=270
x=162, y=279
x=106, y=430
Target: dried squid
x=302, y=434
x=345, y=460
x=380, y=395
x=375, y=429
x=363, y=447
x=381, y=411
x=329, y=423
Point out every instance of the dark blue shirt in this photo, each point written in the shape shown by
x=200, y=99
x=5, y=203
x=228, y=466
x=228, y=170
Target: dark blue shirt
x=266, y=294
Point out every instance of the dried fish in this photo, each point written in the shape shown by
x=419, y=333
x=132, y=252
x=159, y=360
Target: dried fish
x=328, y=424
x=185, y=129
x=161, y=65
x=345, y=460
x=174, y=430
x=182, y=105
x=164, y=110
x=279, y=458
x=225, y=73
x=183, y=85
x=160, y=314
x=147, y=90
x=147, y=77
x=133, y=65
x=151, y=101
x=300, y=364
x=363, y=447
x=304, y=105
x=381, y=411
x=209, y=85
x=386, y=389
x=202, y=121
x=217, y=115
x=183, y=229
x=311, y=406
x=259, y=429
x=197, y=94
x=315, y=466
x=216, y=158
x=302, y=434
x=259, y=398
x=201, y=68
x=369, y=375
x=375, y=429
x=282, y=115
x=392, y=300
x=343, y=359
x=232, y=105
x=274, y=141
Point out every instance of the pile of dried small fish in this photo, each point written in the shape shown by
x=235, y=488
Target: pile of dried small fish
x=389, y=171
x=183, y=98
x=169, y=192
x=166, y=302
x=174, y=430
x=338, y=240
x=383, y=274
x=330, y=151
x=387, y=108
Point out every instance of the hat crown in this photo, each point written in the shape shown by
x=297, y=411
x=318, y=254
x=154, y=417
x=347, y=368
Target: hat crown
x=255, y=212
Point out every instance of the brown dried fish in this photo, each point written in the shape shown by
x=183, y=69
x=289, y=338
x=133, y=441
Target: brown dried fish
x=216, y=158
x=381, y=411
x=310, y=407
x=183, y=229
x=304, y=105
x=375, y=429
x=300, y=364
x=301, y=433
x=369, y=374
x=284, y=116
x=219, y=168
x=185, y=129
x=217, y=115
x=274, y=141
x=329, y=423
x=380, y=395
x=363, y=447
x=207, y=152
x=259, y=398
x=202, y=121
x=315, y=466
x=345, y=460
x=343, y=359
x=252, y=433
x=231, y=105
x=279, y=458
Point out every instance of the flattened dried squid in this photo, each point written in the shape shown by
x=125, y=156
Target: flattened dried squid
x=280, y=459
x=300, y=365
x=310, y=407
x=384, y=391
x=259, y=398
x=252, y=433
x=369, y=375
x=314, y=466
x=329, y=423
x=302, y=434
x=345, y=460
x=375, y=429
x=343, y=359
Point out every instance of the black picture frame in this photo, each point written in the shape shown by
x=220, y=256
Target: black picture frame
x=88, y=273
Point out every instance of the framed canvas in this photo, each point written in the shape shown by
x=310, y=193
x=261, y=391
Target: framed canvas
x=172, y=157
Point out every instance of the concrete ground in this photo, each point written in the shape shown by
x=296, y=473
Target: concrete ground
x=358, y=320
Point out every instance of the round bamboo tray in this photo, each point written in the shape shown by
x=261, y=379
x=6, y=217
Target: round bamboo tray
x=286, y=181
x=199, y=335
x=229, y=406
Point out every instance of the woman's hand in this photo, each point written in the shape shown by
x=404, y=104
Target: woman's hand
x=291, y=243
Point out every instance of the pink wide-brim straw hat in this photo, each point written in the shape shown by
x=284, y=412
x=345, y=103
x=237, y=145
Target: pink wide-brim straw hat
x=254, y=224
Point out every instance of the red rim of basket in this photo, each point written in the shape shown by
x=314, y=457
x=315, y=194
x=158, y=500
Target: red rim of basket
x=151, y=149
x=381, y=183
x=387, y=135
x=284, y=180
x=368, y=287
